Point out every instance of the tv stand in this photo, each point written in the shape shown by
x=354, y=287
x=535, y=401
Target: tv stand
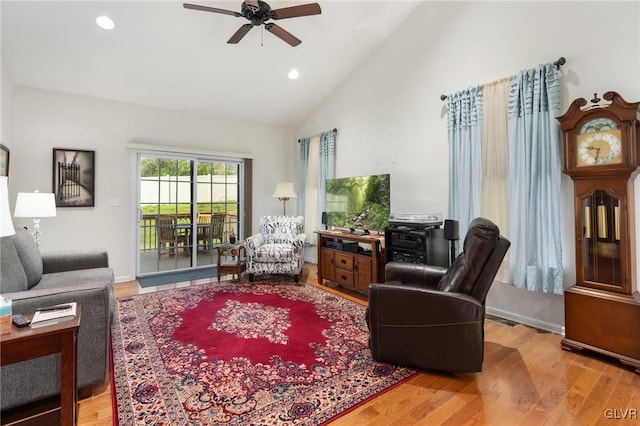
x=351, y=260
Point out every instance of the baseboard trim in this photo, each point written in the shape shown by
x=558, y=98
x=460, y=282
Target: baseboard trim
x=531, y=322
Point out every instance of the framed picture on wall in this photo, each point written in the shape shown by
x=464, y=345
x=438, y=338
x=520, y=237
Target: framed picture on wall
x=74, y=177
x=4, y=160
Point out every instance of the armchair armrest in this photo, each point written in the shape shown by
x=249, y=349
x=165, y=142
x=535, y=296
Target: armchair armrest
x=412, y=273
x=60, y=261
x=252, y=243
x=298, y=242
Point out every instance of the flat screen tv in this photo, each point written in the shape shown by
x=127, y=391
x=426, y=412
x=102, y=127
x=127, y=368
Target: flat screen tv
x=359, y=203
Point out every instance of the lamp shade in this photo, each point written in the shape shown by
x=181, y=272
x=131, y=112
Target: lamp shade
x=284, y=190
x=35, y=204
x=6, y=225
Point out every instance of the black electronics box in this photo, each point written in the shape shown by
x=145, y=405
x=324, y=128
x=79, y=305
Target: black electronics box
x=340, y=245
x=350, y=247
x=334, y=244
x=366, y=252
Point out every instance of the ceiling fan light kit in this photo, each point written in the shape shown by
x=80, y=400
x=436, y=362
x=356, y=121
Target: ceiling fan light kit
x=259, y=13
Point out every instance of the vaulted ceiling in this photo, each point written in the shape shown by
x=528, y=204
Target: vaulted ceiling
x=163, y=55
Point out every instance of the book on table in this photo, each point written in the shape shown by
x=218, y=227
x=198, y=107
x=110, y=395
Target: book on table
x=54, y=315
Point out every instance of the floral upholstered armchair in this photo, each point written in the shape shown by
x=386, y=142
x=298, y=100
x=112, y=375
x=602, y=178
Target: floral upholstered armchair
x=278, y=248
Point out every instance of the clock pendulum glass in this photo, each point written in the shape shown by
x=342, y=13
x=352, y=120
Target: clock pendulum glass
x=601, y=249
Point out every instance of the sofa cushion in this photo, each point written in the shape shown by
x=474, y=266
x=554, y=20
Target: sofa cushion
x=12, y=276
x=479, y=243
x=30, y=257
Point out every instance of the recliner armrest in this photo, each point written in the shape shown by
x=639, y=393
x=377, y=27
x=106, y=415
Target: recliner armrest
x=412, y=273
x=406, y=305
x=72, y=260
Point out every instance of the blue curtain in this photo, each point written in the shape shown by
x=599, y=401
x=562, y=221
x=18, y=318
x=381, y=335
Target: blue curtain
x=465, y=155
x=534, y=180
x=304, y=164
x=327, y=168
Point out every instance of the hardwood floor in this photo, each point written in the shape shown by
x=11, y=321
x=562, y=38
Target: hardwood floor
x=527, y=380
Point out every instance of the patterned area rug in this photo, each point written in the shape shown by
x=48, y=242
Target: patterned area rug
x=262, y=353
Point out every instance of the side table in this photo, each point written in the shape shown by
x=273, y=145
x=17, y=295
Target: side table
x=23, y=344
x=231, y=259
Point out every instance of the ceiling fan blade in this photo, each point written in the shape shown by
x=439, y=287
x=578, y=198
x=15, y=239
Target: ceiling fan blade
x=211, y=9
x=295, y=11
x=238, y=35
x=252, y=4
x=283, y=34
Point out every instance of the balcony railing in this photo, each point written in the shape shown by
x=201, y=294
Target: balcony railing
x=149, y=228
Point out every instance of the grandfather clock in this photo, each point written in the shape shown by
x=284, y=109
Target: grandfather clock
x=601, y=144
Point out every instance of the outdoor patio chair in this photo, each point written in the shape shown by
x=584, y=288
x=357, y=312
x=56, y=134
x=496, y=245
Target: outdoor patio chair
x=168, y=236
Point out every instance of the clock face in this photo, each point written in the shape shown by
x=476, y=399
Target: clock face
x=599, y=148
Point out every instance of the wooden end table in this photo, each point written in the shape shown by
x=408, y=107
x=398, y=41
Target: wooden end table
x=23, y=344
x=231, y=259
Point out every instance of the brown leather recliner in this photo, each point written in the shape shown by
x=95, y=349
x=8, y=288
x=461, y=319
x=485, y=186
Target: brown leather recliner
x=431, y=317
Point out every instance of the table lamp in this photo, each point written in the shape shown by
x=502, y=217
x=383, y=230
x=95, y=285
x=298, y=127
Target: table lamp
x=36, y=205
x=284, y=191
x=6, y=225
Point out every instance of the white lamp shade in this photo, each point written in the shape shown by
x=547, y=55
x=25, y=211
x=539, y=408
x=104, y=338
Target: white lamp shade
x=6, y=225
x=284, y=190
x=35, y=204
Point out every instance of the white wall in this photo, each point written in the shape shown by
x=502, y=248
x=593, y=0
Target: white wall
x=390, y=118
x=44, y=120
x=6, y=107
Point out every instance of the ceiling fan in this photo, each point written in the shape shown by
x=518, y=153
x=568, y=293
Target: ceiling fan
x=258, y=13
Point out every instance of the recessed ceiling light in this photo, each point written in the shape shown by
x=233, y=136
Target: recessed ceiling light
x=293, y=74
x=105, y=22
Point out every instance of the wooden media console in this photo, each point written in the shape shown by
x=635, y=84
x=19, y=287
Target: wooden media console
x=351, y=260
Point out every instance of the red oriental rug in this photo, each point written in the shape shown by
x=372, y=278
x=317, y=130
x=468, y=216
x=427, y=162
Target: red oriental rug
x=262, y=353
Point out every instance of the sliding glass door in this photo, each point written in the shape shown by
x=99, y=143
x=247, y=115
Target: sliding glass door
x=187, y=206
x=218, y=195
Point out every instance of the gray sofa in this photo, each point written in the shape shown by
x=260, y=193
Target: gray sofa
x=32, y=280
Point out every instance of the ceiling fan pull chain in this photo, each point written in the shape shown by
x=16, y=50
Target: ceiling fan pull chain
x=262, y=36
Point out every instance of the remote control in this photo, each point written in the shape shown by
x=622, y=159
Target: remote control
x=20, y=321
x=54, y=308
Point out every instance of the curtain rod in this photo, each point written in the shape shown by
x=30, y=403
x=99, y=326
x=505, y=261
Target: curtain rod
x=560, y=62
x=334, y=132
